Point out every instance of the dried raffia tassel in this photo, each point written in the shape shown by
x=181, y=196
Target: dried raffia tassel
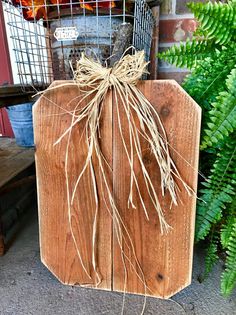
x=95, y=80
x=92, y=78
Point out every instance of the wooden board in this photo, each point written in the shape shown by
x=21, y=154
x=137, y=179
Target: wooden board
x=165, y=260
x=13, y=159
x=16, y=94
x=58, y=251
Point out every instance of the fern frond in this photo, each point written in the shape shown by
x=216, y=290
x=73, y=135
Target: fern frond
x=186, y=55
x=208, y=78
x=217, y=19
x=228, y=278
x=223, y=115
x=211, y=257
x=218, y=190
x=227, y=229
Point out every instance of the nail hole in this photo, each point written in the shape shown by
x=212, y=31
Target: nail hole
x=159, y=276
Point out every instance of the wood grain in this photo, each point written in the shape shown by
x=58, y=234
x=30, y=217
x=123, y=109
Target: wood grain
x=57, y=247
x=14, y=95
x=13, y=159
x=153, y=66
x=165, y=260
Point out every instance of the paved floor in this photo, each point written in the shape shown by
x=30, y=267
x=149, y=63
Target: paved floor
x=27, y=287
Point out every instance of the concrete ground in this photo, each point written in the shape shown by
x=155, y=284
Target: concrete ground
x=27, y=287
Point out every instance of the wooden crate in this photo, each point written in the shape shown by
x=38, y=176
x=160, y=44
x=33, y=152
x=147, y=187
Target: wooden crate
x=166, y=260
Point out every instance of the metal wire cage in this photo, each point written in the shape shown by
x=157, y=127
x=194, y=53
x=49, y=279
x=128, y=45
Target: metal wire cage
x=49, y=35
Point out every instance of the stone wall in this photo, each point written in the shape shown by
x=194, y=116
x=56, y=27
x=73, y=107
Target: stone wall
x=176, y=25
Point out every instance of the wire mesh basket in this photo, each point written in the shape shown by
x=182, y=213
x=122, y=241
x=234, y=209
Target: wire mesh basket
x=49, y=35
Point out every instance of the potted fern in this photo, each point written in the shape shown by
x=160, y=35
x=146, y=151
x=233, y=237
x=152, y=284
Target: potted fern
x=212, y=83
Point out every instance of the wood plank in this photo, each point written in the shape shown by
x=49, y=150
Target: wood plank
x=16, y=89
x=153, y=66
x=58, y=250
x=13, y=159
x=166, y=260
x=14, y=94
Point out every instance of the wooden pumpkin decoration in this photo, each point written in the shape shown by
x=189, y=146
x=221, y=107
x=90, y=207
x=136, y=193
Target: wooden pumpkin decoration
x=162, y=264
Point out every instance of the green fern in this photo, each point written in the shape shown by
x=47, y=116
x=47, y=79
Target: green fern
x=223, y=115
x=218, y=190
x=217, y=19
x=208, y=77
x=208, y=80
x=211, y=256
x=226, y=231
x=228, y=279
x=187, y=55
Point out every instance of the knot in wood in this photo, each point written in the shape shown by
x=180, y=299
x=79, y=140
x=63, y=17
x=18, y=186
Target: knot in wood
x=165, y=111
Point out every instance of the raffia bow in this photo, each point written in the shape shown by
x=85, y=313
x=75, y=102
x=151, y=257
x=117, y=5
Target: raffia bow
x=95, y=80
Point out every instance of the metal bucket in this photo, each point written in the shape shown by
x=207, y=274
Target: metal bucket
x=22, y=124
x=96, y=37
